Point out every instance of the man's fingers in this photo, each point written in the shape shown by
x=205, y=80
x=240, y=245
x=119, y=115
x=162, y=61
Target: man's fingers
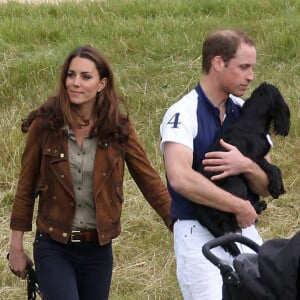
x=212, y=161
x=214, y=155
x=226, y=146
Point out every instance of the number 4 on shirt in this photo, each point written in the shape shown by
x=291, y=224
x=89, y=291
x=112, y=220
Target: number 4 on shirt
x=174, y=121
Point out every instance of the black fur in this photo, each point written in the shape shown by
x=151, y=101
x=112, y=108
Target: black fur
x=263, y=111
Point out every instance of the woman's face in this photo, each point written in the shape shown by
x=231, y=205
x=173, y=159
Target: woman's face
x=83, y=81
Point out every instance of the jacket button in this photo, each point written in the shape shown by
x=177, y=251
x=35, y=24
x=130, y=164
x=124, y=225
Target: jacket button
x=62, y=176
x=61, y=155
x=50, y=229
x=64, y=234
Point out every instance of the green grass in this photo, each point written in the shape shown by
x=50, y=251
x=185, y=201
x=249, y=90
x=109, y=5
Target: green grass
x=155, y=50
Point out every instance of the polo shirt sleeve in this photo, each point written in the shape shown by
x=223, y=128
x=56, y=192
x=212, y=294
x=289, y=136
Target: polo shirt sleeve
x=179, y=124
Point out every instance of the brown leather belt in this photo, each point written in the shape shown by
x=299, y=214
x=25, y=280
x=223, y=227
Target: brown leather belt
x=87, y=236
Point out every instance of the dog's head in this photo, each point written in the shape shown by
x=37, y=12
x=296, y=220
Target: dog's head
x=269, y=102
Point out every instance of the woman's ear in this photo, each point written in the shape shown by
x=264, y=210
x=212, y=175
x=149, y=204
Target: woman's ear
x=102, y=84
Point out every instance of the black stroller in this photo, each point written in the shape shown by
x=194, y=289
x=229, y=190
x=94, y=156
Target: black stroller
x=272, y=273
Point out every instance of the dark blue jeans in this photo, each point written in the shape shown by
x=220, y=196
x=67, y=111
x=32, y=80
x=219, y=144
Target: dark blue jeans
x=75, y=271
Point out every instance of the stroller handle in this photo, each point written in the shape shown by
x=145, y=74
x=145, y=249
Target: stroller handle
x=222, y=240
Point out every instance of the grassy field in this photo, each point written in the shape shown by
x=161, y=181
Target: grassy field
x=155, y=50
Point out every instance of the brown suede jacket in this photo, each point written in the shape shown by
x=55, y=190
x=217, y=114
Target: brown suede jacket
x=45, y=173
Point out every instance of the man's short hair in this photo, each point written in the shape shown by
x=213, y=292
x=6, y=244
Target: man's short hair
x=223, y=43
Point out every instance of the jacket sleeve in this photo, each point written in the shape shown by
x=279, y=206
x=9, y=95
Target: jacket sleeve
x=23, y=203
x=147, y=179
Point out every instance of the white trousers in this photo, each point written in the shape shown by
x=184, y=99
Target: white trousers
x=198, y=278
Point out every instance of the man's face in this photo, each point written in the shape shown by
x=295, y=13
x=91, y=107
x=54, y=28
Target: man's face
x=238, y=73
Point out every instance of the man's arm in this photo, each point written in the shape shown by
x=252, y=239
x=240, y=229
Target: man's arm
x=194, y=186
x=233, y=162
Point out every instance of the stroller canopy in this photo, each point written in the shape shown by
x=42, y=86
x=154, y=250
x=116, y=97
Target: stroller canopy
x=273, y=274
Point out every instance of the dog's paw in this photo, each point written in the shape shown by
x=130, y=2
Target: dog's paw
x=276, y=186
x=276, y=190
x=232, y=249
x=260, y=206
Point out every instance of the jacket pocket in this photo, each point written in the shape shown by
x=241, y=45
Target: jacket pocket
x=41, y=188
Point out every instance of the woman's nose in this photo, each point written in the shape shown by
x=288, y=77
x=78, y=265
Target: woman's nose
x=76, y=81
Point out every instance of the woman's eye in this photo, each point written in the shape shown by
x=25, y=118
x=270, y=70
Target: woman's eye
x=86, y=76
x=71, y=74
x=82, y=76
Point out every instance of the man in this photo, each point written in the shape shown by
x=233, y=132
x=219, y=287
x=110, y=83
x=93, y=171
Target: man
x=188, y=129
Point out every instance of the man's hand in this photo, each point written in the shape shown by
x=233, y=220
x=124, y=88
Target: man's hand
x=246, y=215
x=225, y=163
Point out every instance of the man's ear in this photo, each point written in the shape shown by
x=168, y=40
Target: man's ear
x=218, y=63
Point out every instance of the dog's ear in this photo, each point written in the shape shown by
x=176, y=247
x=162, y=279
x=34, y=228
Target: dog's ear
x=280, y=112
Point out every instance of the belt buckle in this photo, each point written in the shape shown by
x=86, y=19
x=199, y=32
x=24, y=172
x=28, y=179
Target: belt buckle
x=72, y=239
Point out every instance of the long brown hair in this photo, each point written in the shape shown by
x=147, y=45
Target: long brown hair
x=57, y=111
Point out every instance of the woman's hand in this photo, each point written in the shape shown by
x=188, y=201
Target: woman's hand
x=18, y=261
x=17, y=258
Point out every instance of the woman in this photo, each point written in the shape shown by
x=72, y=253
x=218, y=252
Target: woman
x=77, y=145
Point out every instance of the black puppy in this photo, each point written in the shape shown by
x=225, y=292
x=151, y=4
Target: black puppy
x=263, y=111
